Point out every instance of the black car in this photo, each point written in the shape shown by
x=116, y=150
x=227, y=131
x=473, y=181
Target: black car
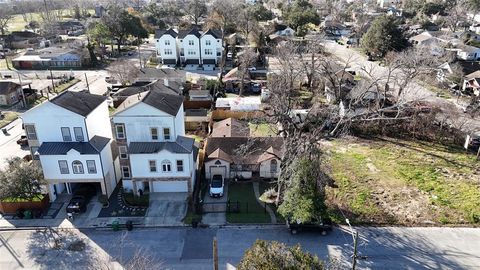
x=81, y=197
x=320, y=225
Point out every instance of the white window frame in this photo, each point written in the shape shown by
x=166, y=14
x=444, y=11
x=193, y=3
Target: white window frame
x=78, y=138
x=32, y=134
x=77, y=167
x=152, y=166
x=169, y=134
x=69, y=137
x=89, y=166
x=156, y=136
x=191, y=42
x=128, y=172
x=123, y=153
x=166, y=166
x=117, y=133
x=180, y=166
x=66, y=171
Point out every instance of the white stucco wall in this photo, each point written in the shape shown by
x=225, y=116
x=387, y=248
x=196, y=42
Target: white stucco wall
x=51, y=169
x=140, y=165
x=98, y=122
x=48, y=119
x=108, y=165
x=214, y=46
x=160, y=46
x=265, y=169
x=195, y=47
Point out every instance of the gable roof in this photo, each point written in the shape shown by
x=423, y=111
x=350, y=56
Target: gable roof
x=7, y=87
x=193, y=31
x=215, y=33
x=257, y=149
x=164, y=102
x=159, y=33
x=183, y=145
x=78, y=102
x=94, y=146
x=152, y=74
x=173, y=88
x=230, y=127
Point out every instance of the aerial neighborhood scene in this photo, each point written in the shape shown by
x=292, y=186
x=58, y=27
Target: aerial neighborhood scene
x=231, y=134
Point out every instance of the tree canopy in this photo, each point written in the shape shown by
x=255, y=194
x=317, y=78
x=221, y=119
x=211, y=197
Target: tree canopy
x=266, y=255
x=300, y=14
x=304, y=198
x=21, y=180
x=383, y=36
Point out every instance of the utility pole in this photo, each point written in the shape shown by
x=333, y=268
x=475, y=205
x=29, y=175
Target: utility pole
x=88, y=86
x=23, y=93
x=139, y=55
x=215, y=254
x=355, y=245
x=53, y=84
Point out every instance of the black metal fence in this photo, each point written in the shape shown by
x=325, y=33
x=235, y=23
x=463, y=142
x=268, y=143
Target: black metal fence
x=232, y=207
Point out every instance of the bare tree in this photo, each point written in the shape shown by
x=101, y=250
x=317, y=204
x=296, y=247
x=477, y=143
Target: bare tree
x=457, y=11
x=123, y=71
x=246, y=59
x=246, y=22
x=195, y=9
x=6, y=14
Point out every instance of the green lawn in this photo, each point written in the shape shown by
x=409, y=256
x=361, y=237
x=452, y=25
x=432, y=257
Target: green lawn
x=65, y=86
x=250, y=210
x=264, y=186
x=8, y=118
x=136, y=200
x=35, y=199
x=262, y=129
x=403, y=182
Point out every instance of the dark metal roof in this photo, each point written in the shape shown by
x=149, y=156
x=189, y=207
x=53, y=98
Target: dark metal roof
x=78, y=102
x=196, y=112
x=215, y=33
x=99, y=142
x=94, y=146
x=209, y=61
x=183, y=145
x=170, y=31
x=194, y=31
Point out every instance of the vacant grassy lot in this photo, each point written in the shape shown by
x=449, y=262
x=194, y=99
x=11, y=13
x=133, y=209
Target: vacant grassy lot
x=250, y=210
x=8, y=118
x=262, y=129
x=403, y=182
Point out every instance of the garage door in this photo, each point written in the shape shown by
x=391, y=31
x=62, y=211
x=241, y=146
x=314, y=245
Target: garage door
x=222, y=170
x=171, y=186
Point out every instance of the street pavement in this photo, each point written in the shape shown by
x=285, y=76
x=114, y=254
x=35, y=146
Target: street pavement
x=8, y=143
x=188, y=248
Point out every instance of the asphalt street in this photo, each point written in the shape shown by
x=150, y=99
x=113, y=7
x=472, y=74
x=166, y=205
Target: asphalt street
x=188, y=248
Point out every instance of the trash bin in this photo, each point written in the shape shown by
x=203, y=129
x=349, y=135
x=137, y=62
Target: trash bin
x=129, y=225
x=116, y=225
x=27, y=214
x=194, y=223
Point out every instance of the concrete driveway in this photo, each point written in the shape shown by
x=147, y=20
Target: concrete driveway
x=166, y=208
x=216, y=218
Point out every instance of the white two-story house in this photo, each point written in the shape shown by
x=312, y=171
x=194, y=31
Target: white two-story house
x=211, y=49
x=71, y=135
x=194, y=49
x=155, y=156
x=167, y=48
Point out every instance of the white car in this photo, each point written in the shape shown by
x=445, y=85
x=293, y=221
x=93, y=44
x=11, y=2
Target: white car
x=216, y=185
x=252, y=69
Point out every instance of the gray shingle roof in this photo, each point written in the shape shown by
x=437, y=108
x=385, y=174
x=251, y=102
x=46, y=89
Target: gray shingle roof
x=7, y=87
x=173, y=88
x=78, y=102
x=183, y=145
x=170, y=31
x=93, y=147
x=151, y=74
x=194, y=31
x=215, y=33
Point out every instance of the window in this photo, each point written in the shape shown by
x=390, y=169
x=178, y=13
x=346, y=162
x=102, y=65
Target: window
x=273, y=166
x=191, y=52
x=208, y=42
x=123, y=152
x=126, y=172
x=190, y=42
x=166, y=134
x=153, y=165
x=91, y=166
x=67, y=137
x=63, y=165
x=35, y=156
x=78, y=134
x=120, y=130
x=179, y=165
x=31, y=133
x=167, y=42
x=166, y=166
x=154, y=133
x=208, y=52
x=77, y=167
x=168, y=52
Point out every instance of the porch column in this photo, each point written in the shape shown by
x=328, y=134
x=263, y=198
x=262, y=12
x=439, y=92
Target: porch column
x=150, y=185
x=104, y=190
x=134, y=187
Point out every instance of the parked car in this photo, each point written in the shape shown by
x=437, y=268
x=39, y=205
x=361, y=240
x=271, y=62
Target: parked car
x=322, y=225
x=216, y=185
x=255, y=87
x=252, y=69
x=81, y=197
x=23, y=141
x=111, y=80
x=229, y=56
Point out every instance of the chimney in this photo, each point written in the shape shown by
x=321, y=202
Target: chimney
x=165, y=82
